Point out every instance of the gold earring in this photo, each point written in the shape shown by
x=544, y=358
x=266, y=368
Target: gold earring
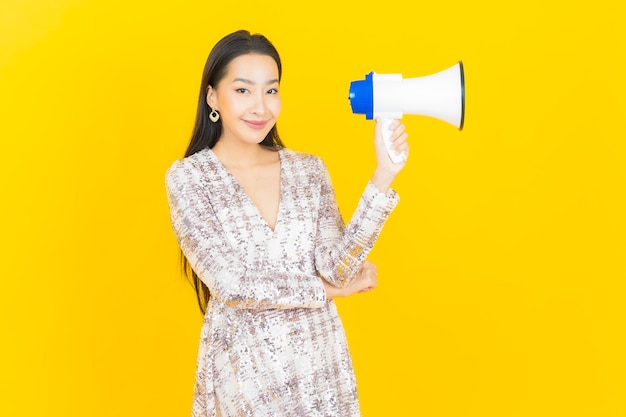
x=214, y=115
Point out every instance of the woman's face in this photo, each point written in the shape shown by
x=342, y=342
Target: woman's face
x=247, y=98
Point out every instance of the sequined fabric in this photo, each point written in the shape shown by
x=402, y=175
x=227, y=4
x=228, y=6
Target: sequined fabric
x=271, y=344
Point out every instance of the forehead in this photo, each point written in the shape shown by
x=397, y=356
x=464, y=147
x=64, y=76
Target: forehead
x=254, y=67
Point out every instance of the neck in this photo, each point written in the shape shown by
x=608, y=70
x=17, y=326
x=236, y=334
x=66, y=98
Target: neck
x=239, y=154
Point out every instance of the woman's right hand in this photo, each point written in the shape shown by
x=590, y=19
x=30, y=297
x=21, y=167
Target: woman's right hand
x=365, y=280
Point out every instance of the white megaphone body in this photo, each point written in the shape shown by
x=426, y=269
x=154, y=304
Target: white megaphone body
x=389, y=96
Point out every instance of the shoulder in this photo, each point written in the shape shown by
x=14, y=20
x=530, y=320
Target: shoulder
x=303, y=160
x=188, y=167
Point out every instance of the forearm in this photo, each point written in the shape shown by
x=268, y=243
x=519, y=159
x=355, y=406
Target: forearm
x=238, y=286
x=340, y=253
x=382, y=180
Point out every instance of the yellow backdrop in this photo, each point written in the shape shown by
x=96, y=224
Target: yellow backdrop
x=501, y=272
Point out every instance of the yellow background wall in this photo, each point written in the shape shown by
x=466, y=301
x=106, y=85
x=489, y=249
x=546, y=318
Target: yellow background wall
x=502, y=270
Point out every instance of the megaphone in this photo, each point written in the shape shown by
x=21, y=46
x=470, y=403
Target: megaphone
x=389, y=96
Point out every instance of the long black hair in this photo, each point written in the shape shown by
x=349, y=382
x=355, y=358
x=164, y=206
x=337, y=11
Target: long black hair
x=206, y=133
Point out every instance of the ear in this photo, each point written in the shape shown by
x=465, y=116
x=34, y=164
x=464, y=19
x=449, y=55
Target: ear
x=210, y=96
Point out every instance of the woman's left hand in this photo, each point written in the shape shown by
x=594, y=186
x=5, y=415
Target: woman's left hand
x=386, y=170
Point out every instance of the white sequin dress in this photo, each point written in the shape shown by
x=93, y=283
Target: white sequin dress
x=271, y=344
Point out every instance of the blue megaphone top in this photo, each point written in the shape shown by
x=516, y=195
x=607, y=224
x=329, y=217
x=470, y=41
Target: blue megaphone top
x=362, y=97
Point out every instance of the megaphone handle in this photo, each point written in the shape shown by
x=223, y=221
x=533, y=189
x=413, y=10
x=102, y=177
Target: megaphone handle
x=396, y=157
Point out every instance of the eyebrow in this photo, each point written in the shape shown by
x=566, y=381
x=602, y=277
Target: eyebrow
x=245, y=80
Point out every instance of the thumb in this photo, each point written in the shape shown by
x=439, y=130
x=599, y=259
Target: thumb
x=378, y=129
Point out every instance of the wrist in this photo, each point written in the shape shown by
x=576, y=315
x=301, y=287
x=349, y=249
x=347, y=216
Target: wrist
x=332, y=292
x=382, y=180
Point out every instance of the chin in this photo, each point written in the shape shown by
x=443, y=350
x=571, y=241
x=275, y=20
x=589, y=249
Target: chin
x=261, y=138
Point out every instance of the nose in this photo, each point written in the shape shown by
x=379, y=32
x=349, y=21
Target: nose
x=258, y=106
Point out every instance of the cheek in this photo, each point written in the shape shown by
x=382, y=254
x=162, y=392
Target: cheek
x=277, y=106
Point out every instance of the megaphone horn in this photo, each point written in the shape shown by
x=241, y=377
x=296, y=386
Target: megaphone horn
x=389, y=96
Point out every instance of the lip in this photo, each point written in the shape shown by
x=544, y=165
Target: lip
x=256, y=124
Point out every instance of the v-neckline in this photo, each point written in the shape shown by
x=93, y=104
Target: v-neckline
x=247, y=197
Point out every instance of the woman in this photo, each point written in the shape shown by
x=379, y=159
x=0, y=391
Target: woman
x=260, y=228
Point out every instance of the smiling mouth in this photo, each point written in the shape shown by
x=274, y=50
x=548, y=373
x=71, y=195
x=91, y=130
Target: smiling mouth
x=256, y=124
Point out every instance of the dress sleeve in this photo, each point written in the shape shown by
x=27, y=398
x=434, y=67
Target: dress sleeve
x=340, y=249
x=229, y=280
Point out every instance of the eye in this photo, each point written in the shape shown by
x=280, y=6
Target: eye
x=242, y=90
x=272, y=91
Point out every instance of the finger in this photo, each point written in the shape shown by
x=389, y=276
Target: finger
x=371, y=273
x=400, y=142
x=398, y=129
x=395, y=124
x=370, y=266
x=373, y=283
x=400, y=138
